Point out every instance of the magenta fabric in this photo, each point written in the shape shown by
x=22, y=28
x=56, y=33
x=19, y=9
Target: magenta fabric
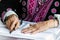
x=31, y=6
x=42, y=10
x=38, y=10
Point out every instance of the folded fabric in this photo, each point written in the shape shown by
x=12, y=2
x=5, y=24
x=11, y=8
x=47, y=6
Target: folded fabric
x=49, y=34
x=58, y=17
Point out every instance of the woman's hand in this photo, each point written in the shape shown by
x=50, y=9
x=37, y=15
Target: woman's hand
x=40, y=26
x=13, y=22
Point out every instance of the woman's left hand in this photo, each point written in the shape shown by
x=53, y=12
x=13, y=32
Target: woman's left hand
x=35, y=28
x=40, y=26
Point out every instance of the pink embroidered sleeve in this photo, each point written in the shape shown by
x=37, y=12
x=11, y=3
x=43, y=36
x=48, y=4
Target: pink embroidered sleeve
x=31, y=6
x=42, y=10
x=37, y=10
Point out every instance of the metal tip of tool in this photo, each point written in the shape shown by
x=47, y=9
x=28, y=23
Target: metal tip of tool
x=12, y=30
x=21, y=21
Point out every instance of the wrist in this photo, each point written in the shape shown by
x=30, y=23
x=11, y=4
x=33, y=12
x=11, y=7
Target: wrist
x=56, y=23
x=52, y=23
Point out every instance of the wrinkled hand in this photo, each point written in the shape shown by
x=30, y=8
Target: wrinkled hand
x=36, y=28
x=12, y=22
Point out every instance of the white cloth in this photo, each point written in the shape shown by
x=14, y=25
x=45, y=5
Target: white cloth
x=58, y=17
x=10, y=12
x=50, y=34
x=58, y=36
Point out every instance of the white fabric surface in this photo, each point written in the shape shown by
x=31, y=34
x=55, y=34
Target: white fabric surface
x=50, y=34
x=58, y=17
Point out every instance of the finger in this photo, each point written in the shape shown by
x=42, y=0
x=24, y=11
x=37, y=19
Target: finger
x=24, y=30
x=40, y=30
x=17, y=25
x=37, y=31
x=8, y=24
x=29, y=30
x=12, y=25
x=32, y=28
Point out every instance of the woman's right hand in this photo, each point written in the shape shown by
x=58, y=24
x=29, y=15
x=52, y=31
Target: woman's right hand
x=13, y=22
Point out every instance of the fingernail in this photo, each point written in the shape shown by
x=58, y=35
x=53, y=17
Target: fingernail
x=11, y=31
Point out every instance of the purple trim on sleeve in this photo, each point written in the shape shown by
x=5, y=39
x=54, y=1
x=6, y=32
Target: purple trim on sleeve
x=9, y=9
x=3, y=13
